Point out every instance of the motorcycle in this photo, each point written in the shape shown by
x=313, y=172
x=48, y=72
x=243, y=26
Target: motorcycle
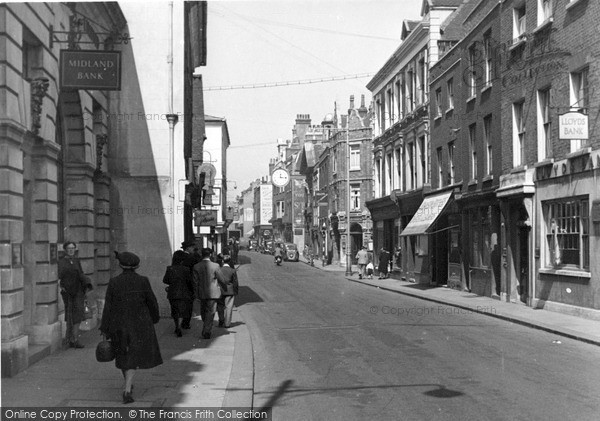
x=278, y=260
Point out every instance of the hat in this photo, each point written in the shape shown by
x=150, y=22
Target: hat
x=188, y=243
x=127, y=260
x=179, y=257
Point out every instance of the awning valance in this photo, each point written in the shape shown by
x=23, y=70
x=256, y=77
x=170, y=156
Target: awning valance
x=431, y=208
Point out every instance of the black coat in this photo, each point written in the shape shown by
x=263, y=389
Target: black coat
x=130, y=312
x=179, y=279
x=73, y=285
x=230, y=282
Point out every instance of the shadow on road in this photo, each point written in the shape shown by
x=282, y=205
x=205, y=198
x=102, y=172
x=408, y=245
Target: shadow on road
x=247, y=295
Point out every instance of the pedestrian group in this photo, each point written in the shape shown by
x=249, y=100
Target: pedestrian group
x=131, y=308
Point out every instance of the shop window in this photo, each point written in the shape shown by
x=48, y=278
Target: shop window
x=481, y=236
x=567, y=233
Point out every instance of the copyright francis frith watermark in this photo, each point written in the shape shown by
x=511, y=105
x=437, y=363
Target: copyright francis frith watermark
x=429, y=310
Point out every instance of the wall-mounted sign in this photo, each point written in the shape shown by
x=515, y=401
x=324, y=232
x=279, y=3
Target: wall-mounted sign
x=205, y=218
x=90, y=69
x=573, y=126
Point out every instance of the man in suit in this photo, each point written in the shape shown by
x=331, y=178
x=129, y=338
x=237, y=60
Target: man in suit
x=191, y=258
x=207, y=278
x=362, y=259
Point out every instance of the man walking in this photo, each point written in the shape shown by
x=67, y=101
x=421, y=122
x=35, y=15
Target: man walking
x=362, y=258
x=207, y=278
x=191, y=258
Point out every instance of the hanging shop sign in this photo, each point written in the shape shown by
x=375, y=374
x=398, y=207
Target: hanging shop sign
x=573, y=126
x=205, y=218
x=90, y=69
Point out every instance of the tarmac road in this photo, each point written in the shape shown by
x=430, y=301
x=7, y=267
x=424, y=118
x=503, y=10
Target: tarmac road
x=327, y=348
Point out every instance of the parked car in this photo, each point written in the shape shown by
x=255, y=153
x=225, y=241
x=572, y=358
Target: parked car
x=291, y=253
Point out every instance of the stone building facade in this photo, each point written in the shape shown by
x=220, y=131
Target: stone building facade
x=82, y=164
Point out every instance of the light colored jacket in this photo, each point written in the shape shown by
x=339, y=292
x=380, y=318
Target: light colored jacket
x=207, y=277
x=363, y=257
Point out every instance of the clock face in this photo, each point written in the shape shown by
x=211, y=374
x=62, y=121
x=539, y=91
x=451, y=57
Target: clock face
x=280, y=177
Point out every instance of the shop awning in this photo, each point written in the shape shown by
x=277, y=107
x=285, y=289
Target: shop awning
x=429, y=211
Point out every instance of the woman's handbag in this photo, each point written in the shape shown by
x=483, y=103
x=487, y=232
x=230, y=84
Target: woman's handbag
x=105, y=351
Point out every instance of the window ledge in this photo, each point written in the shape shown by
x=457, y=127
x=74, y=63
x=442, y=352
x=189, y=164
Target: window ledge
x=573, y=3
x=487, y=178
x=449, y=110
x=519, y=168
x=471, y=98
x=583, y=151
x=517, y=42
x=486, y=87
x=543, y=25
x=354, y=169
x=544, y=163
x=472, y=183
x=566, y=272
x=437, y=117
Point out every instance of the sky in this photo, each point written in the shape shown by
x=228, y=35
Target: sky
x=255, y=42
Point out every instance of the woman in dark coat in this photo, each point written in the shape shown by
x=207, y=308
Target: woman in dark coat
x=384, y=262
x=74, y=286
x=130, y=312
x=180, y=291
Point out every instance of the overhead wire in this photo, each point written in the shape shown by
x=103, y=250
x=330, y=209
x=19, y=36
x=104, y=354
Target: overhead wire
x=288, y=82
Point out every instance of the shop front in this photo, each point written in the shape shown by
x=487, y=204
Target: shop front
x=425, y=241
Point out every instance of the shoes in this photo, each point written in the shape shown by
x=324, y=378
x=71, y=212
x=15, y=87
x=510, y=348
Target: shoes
x=76, y=344
x=359, y=276
x=206, y=335
x=127, y=397
x=184, y=326
x=178, y=333
x=221, y=323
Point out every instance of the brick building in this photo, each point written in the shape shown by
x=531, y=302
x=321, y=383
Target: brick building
x=401, y=143
x=345, y=154
x=466, y=150
x=548, y=192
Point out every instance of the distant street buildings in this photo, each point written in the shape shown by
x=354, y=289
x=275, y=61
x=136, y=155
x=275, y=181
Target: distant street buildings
x=477, y=162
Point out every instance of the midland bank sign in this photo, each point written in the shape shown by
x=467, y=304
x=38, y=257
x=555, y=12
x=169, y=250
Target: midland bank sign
x=90, y=69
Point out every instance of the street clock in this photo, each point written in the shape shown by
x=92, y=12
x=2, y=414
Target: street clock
x=280, y=177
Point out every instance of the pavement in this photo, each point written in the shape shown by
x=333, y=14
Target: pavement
x=574, y=327
x=213, y=373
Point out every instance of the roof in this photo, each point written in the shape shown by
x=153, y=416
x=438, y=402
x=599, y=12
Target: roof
x=407, y=27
